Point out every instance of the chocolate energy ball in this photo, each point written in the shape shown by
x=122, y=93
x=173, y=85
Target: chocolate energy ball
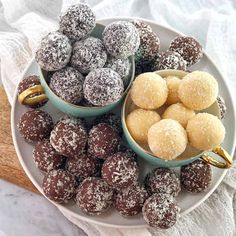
x=162, y=180
x=129, y=201
x=94, y=196
x=196, y=177
x=222, y=106
x=67, y=84
x=59, y=185
x=160, y=211
x=188, y=47
x=120, y=171
x=46, y=157
x=121, y=39
x=69, y=137
x=77, y=21
x=103, y=141
x=53, y=52
x=88, y=54
x=103, y=87
x=35, y=125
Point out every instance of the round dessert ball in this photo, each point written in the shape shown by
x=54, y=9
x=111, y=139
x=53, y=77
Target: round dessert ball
x=188, y=47
x=46, y=158
x=120, y=171
x=205, y=131
x=173, y=83
x=167, y=139
x=198, y=90
x=53, y=52
x=59, y=185
x=149, y=91
x=69, y=137
x=121, y=39
x=35, y=125
x=94, y=196
x=163, y=181
x=196, y=177
x=160, y=211
x=129, y=201
x=222, y=106
x=103, y=141
x=67, y=84
x=103, y=86
x=88, y=54
x=180, y=113
x=77, y=21
x=139, y=121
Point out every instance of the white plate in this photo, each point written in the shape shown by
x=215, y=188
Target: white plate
x=186, y=201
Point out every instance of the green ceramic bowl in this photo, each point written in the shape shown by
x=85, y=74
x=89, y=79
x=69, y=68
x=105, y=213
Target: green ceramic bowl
x=81, y=111
x=190, y=153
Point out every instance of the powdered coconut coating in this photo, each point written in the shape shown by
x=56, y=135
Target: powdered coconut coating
x=94, y=196
x=163, y=181
x=67, y=84
x=196, y=177
x=69, y=137
x=103, y=140
x=103, y=87
x=124, y=149
x=167, y=139
x=222, y=106
x=77, y=21
x=179, y=113
x=88, y=54
x=173, y=83
x=53, y=52
x=46, y=157
x=120, y=171
x=35, y=125
x=59, y=185
x=121, y=39
x=140, y=25
x=139, y=121
x=188, y=47
x=149, y=91
x=198, y=90
x=129, y=201
x=160, y=211
x=205, y=131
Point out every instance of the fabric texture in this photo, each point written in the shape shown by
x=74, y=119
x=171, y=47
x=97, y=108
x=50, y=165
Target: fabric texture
x=24, y=22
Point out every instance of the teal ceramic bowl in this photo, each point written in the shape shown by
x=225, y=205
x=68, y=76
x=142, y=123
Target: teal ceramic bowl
x=81, y=111
x=191, y=154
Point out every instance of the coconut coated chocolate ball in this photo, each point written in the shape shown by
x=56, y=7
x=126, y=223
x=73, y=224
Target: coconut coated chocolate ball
x=188, y=47
x=167, y=139
x=35, y=125
x=103, y=87
x=139, y=121
x=53, y=52
x=59, y=185
x=198, y=90
x=120, y=171
x=160, y=211
x=121, y=39
x=173, y=83
x=77, y=21
x=94, y=196
x=67, y=84
x=149, y=91
x=205, y=131
x=222, y=106
x=163, y=181
x=69, y=137
x=88, y=54
x=196, y=177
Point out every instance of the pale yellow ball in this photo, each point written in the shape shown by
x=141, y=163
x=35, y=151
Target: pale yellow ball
x=173, y=83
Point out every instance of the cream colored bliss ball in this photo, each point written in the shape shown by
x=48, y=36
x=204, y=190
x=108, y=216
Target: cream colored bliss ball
x=139, y=121
x=167, y=139
x=205, y=131
x=198, y=90
x=149, y=91
x=173, y=83
x=180, y=113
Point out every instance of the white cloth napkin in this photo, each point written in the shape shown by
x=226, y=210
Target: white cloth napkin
x=24, y=22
